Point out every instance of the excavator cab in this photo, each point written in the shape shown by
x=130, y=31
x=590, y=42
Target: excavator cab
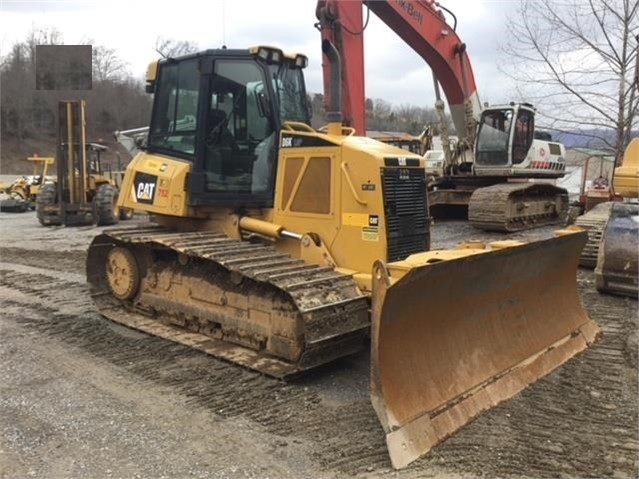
x=507, y=145
x=221, y=111
x=505, y=135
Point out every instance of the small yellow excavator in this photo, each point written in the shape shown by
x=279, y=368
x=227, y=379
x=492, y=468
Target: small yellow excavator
x=280, y=248
x=617, y=269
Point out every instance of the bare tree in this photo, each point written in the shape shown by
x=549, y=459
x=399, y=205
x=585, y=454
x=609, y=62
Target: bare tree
x=28, y=116
x=107, y=65
x=575, y=59
x=41, y=36
x=170, y=48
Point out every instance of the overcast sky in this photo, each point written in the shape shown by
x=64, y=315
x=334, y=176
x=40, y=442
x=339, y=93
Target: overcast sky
x=393, y=71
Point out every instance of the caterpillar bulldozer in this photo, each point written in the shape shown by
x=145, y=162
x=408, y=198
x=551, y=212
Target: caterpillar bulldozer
x=83, y=193
x=281, y=248
x=486, y=174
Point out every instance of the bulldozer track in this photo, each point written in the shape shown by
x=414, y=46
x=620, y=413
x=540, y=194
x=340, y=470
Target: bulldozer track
x=579, y=421
x=594, y=222
x=333, y=312
x=510, y=207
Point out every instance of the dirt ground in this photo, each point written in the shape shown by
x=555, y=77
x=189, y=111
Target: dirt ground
x=83, y=397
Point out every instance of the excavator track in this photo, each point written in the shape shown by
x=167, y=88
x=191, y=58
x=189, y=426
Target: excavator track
x=240, y=301
x=594, y=222
x=512, y=207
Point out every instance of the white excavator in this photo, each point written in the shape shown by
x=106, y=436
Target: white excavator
x=497, y=149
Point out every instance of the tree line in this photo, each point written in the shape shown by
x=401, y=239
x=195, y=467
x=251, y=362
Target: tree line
x=382, y=115
x=117, y=99
x=577, y=61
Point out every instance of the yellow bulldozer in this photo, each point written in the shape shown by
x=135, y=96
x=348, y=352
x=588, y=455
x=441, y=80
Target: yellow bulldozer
x=280, y=248
x=21, y=195
x=83, y=192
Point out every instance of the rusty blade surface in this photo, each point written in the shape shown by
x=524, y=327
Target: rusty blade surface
x=456, y=337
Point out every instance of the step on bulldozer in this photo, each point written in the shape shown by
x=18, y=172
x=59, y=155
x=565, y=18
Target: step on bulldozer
x=83, y=194
x=281, y=248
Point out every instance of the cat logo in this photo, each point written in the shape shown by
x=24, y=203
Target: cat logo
x=145, y=191
x=143, y=188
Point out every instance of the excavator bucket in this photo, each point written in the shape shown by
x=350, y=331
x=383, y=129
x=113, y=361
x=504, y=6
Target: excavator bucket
x=455, y=337
x=618, y=257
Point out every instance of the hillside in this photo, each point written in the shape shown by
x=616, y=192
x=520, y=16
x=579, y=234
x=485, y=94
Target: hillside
x=14, y=153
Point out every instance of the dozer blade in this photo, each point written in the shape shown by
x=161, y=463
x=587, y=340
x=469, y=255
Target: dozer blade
x=617, y=262
x=453, y=338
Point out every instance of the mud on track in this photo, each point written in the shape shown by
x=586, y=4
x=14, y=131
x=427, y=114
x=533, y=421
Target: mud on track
x=580, y=421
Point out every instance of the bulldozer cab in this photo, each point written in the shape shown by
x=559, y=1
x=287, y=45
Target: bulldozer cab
x=221, y=110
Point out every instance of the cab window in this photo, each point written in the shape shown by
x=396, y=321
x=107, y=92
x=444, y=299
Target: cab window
x=240, y=139
x=523, y=135
x=174, y=121
x=493, y=137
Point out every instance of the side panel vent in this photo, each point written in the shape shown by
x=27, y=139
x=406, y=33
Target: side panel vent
x=405, y=207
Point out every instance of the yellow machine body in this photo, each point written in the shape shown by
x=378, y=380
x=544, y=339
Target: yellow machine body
x=445, y=323
x=626, y=179
x=317, y=191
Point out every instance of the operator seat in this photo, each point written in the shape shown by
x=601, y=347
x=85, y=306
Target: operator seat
x=221, y=149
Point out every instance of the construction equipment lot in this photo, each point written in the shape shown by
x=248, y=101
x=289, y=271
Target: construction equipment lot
x=83, y=397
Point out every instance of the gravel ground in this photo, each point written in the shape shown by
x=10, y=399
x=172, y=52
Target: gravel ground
x=83, y=397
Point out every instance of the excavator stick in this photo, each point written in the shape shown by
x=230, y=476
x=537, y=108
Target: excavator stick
x=617, y=261
x=455, y=337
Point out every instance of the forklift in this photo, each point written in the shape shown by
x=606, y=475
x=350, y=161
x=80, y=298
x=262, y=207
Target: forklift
x=83, y=194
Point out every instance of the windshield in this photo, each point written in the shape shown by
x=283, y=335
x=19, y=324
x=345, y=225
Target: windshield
x=174, y=121
x=288, y=84
x=493, y=137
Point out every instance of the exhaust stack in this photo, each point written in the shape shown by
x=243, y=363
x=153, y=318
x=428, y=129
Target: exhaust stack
x=334, y=113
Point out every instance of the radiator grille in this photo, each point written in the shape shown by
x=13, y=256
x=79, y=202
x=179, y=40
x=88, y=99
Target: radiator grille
x=406, y=212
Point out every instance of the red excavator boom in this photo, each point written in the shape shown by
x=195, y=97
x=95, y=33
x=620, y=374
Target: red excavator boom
x=423, y=27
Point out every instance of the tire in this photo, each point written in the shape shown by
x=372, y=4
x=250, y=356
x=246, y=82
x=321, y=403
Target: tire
x=126, y=213
x=47, y=196
x=105, y=205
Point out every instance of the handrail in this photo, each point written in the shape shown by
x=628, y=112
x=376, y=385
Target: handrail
x=344, y=168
